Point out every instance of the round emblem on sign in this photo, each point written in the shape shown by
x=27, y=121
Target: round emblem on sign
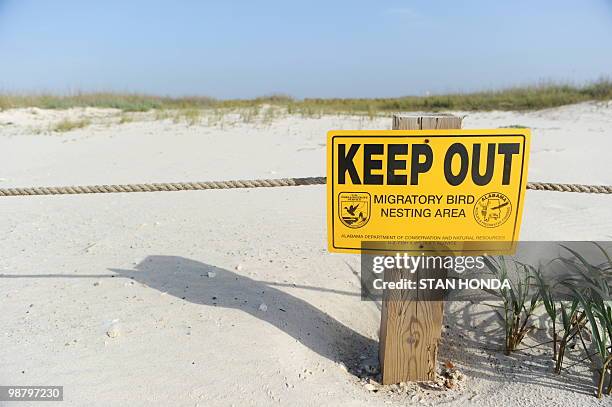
x=492, y=209
x=354, y=209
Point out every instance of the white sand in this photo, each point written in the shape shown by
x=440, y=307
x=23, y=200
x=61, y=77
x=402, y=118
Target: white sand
x=184, y=323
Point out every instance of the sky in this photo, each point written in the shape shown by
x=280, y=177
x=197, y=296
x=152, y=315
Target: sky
x=310, y=48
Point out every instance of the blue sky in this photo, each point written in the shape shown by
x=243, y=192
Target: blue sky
x=231, y=49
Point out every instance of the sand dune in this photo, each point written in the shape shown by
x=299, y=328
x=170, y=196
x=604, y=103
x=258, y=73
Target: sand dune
x=142, y=298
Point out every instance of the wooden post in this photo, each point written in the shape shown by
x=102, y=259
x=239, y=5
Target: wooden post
x=410, y=328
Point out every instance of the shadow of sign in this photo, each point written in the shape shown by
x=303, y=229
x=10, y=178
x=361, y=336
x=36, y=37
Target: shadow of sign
x=188, y=280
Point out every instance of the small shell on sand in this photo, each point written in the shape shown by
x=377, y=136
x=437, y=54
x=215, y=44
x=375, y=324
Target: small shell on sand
x=113, y=331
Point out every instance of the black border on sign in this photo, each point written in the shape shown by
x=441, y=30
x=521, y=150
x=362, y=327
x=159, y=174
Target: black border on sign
x=331, y=176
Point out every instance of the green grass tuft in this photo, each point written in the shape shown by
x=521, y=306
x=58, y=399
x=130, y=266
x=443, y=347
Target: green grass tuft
x=68, y=125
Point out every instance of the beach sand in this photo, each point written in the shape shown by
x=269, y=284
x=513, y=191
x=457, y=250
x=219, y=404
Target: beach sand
x=230, y=297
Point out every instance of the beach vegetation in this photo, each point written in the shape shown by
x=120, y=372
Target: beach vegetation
x=540, y=96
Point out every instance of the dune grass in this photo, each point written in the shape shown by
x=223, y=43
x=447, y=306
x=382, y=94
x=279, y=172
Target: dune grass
x=68, y=125
x=125, y=118
x=584, y=313
x=518, y=98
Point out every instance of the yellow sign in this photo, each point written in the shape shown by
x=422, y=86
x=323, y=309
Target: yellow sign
x=425, y=185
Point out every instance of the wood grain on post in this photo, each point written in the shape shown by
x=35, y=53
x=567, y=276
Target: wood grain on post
x=426, y=121
x=411, y=324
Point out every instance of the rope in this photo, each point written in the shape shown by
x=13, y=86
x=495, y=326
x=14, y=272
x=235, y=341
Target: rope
x=588, y=189
x=162, y=187
x=253, y=183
